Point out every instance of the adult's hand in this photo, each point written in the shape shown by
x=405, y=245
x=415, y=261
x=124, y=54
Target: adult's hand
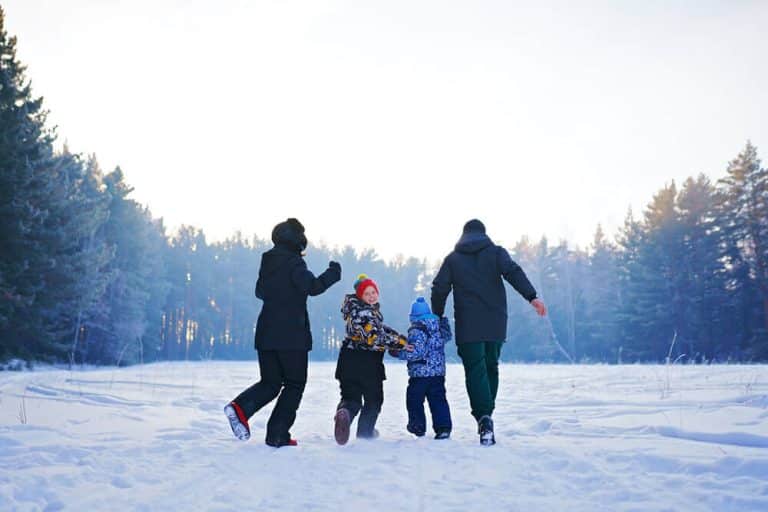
x=539, y=306
x=335, y=269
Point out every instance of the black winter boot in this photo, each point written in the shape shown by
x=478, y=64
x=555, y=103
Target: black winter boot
x=417, y=430
x=485, y=429
x=442, y=433
x=277, y=443
x=374, y=434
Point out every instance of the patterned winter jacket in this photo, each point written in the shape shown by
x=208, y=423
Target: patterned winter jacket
x=365, y=327
x=428, y=335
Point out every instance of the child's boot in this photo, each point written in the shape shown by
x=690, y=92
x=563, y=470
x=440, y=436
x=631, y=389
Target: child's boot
x=442, y=433
x=341, y=422
x=417, y=430
x=374, y=434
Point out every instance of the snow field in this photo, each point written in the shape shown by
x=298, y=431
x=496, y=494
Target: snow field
x=585, y=438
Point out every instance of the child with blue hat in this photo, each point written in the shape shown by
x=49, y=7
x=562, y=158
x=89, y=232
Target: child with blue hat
x=428, y=335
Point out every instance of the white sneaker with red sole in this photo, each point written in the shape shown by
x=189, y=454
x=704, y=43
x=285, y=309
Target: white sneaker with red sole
x=237, y=421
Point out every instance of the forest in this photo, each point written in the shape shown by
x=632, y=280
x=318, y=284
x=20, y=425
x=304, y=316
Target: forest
x=90, y=276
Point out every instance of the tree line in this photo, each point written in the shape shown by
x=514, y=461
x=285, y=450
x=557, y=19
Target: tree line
x=88, y=275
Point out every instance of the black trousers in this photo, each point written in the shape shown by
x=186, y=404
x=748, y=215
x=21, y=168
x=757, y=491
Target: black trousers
x=366, y=397
x=284, y=373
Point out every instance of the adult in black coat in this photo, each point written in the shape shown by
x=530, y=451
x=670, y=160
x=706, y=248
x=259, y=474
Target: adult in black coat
x=474, y=272
x=283, y=338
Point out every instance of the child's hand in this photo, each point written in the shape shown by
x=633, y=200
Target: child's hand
x=408, y=348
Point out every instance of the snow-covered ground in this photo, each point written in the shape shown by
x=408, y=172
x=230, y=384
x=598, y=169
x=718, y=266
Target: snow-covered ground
x=575, y=438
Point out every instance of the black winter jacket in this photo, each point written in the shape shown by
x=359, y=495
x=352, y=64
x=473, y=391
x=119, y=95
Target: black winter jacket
x=284, y=284
x=474, y=271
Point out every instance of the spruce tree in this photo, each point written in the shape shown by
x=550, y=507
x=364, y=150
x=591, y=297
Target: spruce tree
x=659, y=295
x=78, y=209
x=25, y=154
x=50, y=206
x=703, y=301
x=631, y=274
x=601, y=295
x=130, y=306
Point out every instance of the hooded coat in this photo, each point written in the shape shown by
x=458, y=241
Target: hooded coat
x=428, y=334
x=284, y=284
x=474, y=272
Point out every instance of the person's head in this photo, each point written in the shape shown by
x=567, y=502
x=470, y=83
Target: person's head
x=474, y=226
x=366, y=289
x=419, y=309
x=290, y=233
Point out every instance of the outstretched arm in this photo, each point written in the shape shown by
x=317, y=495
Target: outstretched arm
x=306, y=281
x=418, y=340
x=371, y=332
x=391, y=338
x=445, y=330
x=515, y=276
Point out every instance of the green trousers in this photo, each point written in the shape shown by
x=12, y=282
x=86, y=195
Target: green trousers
x=481, y=374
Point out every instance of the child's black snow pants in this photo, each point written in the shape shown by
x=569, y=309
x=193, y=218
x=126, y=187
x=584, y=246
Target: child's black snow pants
x=361, y=378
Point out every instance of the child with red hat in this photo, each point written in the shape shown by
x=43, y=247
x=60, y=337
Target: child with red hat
x=360, y=367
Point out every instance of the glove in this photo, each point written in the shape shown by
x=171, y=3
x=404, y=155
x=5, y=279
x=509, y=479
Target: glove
x=335, y=269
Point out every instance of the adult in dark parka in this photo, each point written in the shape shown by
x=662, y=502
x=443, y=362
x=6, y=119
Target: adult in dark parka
x=283, y=338
x=474, y=272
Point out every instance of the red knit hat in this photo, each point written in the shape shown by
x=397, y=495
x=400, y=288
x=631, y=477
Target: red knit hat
x=363, y=282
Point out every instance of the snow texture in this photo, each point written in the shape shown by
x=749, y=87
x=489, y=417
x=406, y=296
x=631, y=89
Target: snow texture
x=576, y=438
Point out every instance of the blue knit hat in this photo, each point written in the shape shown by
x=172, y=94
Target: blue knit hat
x=419, y=308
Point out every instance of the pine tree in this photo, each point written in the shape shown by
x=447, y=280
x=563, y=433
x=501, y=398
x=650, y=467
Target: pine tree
x=743, y=228
x=659, y=296
x=189, y=307
x=703, y=300
x=235, y=269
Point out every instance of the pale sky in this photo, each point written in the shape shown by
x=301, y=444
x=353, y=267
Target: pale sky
x=389, y=124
